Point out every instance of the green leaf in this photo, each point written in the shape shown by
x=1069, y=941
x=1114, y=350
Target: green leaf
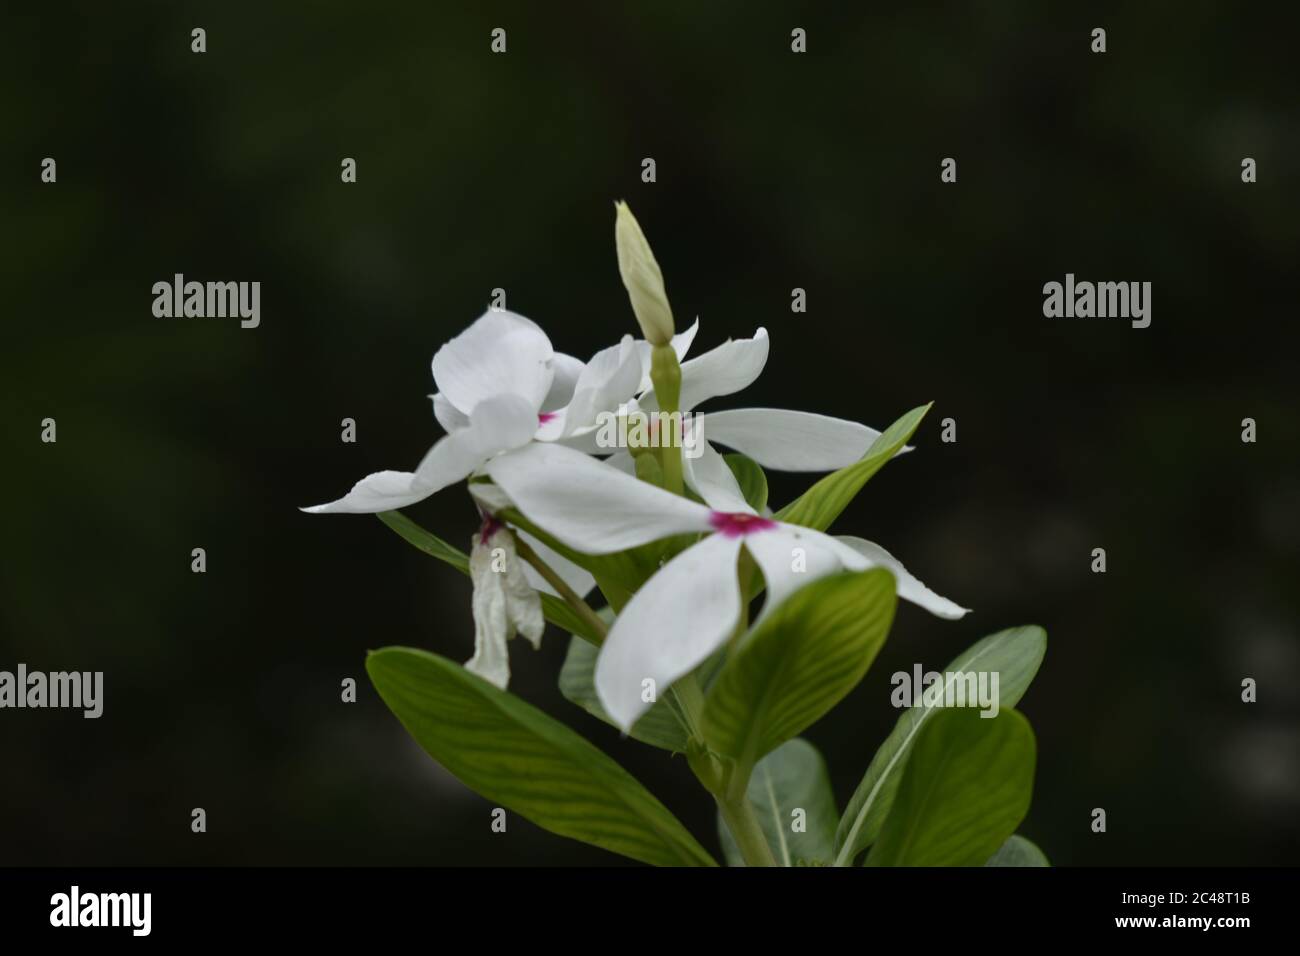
x=518, y=757
x=426, y=541
x=1014, y=654
x=553, y=608
x=566, y=618
x=792, y=777
x=966, y=788
x=821, y=504
x=1018, y=851
x=798, y=663
x=749, y=475
x=658, y=726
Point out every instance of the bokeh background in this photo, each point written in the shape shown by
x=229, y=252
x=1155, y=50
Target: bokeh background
x=774, y=171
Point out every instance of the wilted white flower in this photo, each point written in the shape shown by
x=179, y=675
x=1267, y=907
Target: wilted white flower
x=504, y=603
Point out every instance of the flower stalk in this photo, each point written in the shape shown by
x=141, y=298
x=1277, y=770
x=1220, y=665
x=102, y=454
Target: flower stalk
x=743, y=824
x=666, y=376
x=571, y=598
x=720, y=778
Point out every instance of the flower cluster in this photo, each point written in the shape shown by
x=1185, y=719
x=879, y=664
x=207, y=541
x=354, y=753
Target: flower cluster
x=526, y=417
x=602, y=482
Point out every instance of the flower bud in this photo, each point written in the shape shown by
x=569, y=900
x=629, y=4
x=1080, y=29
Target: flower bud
x=642, y=278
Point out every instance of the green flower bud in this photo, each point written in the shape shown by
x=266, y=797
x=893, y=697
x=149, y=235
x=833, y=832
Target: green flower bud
x=642, y=278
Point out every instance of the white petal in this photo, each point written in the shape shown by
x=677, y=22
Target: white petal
x=684, y=613
x=789, y=440
x=606, y=382
x=449, y=416
x=681, y=344
x=382, y=491
x=497, y=424
x=909, y=587
x=577, y=578
x=587, y=442
x=710, y=478
x=489, y=497
x=623, y=461
x=791, y=557
x=500, y=353
x=731, y=366
x=588, y=505
x=567, y=370
x=682, y=340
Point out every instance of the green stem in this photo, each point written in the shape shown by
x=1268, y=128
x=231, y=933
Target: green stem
x=743, y=824
x=745, y=577
x=581, y=607
x=691, y=700
x=666, y=376
x=671, y=462
x=722, y=779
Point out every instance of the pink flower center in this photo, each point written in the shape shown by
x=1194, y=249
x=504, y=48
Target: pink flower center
x=491, y=525
x=545, y=417
x=737, y=524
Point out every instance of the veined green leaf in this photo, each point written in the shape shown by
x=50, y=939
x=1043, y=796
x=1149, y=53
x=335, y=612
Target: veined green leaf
x=658, y=726
x=515, y=755
x=1014, y=654
x=798, y=663
x=820, y=505
x=1018, y=851
x=751, y=478
x=553, y=608
x=966, y=788
x=790, y=791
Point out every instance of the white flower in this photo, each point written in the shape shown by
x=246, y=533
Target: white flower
x=501, y=386
x=690, y=606
x=504, y=603
x=775, y=438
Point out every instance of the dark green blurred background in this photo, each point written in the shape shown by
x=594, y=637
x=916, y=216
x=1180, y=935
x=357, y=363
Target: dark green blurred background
x=774, y=171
